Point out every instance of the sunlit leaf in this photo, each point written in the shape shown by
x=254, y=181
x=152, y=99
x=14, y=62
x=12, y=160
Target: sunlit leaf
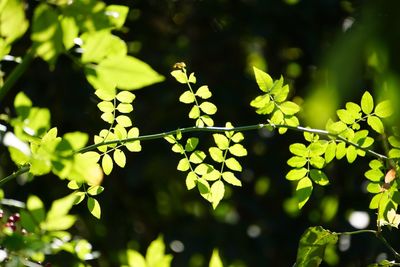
x=374, y=175
x=203, y=92
x=264, y=81
x=183, y=165
x=215, y=260
x=238, y=150
x=230, y=178
x=303, y=191
x=297, y=162
x=191, y=179
x=125, y=97
x=221, y=141
x=124, y=121
x=233, y=164
x=298, y=149
x=107, y=164
x=95, y=190
x=208, y=108
x=217, y=192
x=191, y=144
x=375, y=124
x=351, y=154
x=216, y=154
x=187, y=97
x=367, y=103
x=319, y=177
x=94, y=207
x=289, y=108
x=119, y=158
x=312, y=246
x=194, y=112
x=384, y=109
x=296, y=174
x=197, y=157
x=179, y=75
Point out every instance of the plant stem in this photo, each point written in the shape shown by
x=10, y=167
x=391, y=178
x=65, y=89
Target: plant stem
x=22, y=170
x=17, y=72
x=236, y=129
x=379, y=235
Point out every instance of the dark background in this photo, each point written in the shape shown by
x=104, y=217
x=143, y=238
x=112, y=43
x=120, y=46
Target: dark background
x=220, y=41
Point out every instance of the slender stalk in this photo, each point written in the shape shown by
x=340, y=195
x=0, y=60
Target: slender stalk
x=379, y=235
x=236, y=129
x=22, y=170
x=17, y=72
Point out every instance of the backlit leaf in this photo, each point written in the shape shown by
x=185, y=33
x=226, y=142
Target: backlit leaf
x=297, y=162
x=124, y=108
x=197, y=157
x=298, y=149
x=191, y=144
x=319, y=177
x=233, y=164
x=94, y=207
x=351, y=154
x=384, y=109
x=124, y=121
x=215, y=260
x=183, y=165
x=340, y=150
x=217, y=192
x=374, y=175
x=303, y=191
x=179, y=75
x=203, y=92
x=106, y=106
x=125, y=97
x=187, y=97
x=95, y=190
x=312, y=246
x=264, y=81
x=289, y=108
x=208, y=108
x=107, y=164
x=367, y=103
x=191, y=179
x=194, y=112
x=216, y=154
x=119, y=158
x=237, y=137
x=230, y=178
x=222, y=141
x=296, y=174
x=375, y=124
x=238, y=150
x=330, y=152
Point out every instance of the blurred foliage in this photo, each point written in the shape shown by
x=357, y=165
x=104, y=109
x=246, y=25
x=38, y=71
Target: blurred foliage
x=329, y=51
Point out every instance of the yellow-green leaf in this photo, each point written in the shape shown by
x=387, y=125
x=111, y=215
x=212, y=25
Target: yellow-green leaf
x=125, y=97
x=217, y=192
x=233, y=164
x=221, y=140
x=94, y=207
x=384, y=109
x=303, y=191
x=107, y=164
x=230, y=177
x=124, y=121
x=216, y=154
x=208, y=108
x=238, y=150
x=187, y=97
x=179, y=75
x=203, y=92
x=119, y=158
x=367, y=103
x=183, y=165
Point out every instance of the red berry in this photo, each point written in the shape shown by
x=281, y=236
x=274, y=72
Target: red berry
x=1, y=213
x=14, y=218
x=11, y=225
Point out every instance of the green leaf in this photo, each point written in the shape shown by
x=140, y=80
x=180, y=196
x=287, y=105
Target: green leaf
x=215, y=260
x=187, y=97
x=375, y=201
x=394, y=153
x=178, y=148
x=192, y=78
x=340, y=150
x=47, y=33
x=179, y=75
x=317, y=162
x=312, y=246
x=264, y=81
x=317, y=148
x=95, y=190
x=125, y=97
x=101, y=44
x=170, y=139
x=204, y=189
x=238, y=150
x=120, y=132
x=203, y=169
x=367, y=103
x=124, y=121
x=303, y=191
x=216, y=154
x=351, y=154
x=108, y=117
x=212, y=175
x=191, y=180
x=191, y=144
x=119, y=158
x=297, y=162
x=298, y=149
x=384, y=109
x=217, y=192
x=94, y=207
x=106, y=106
x=394, y=141
x=374, y=175
x=107, y=164
x=345, y=116
x=135, y=259
x=233, y=164
x=203, y=92
x=277, y=117
x=330, y=152
x=319, y=177
x=296, y=174
x=376, y=124
x=208, y=108
x=126, y=72
x=237, y=137
x=197, y=157
x=207, y=120
x=36, y=208
x=194, y=112
x=117, y=14
x=289, y=108
x=337, y=127
x=222, y=141
x=374, y=188
x=183, y=165
x=103, y=94
x=73, y=184
x=230, y=178
x=124, y=108
x=22, y=105
x=13, y=23
x=155, y=254
x=375, y=164
x=79, y=197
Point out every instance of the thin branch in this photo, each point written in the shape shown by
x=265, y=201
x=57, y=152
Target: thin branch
x=17, y=72
x=15, y=174
x=378, y=235
x=238, y=129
